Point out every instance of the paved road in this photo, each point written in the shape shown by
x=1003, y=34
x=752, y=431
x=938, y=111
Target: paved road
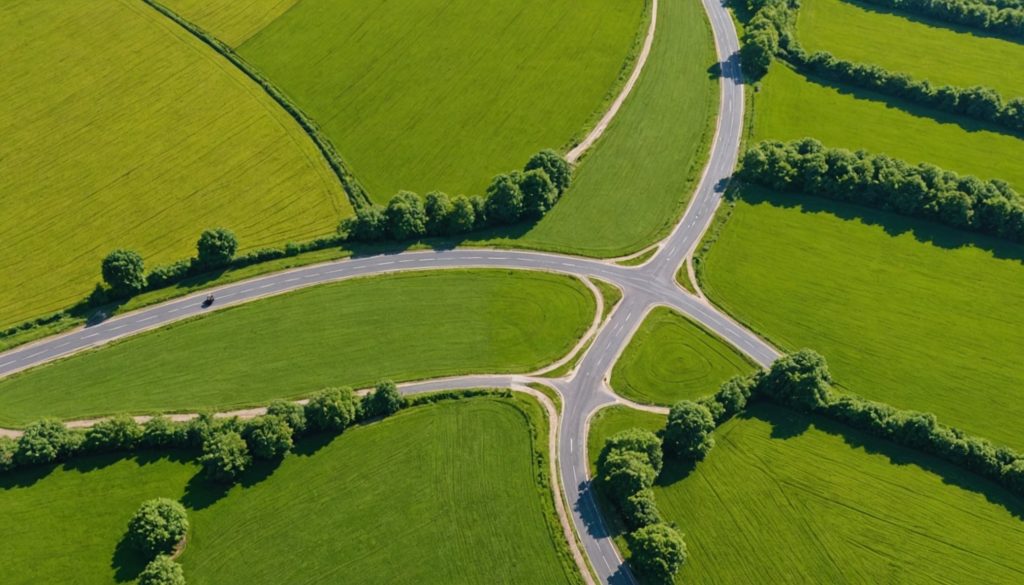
x=586, y=390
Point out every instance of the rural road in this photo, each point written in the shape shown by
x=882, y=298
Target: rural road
x=585, y=390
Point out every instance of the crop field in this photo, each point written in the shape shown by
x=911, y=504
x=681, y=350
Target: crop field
x=405, y=326
x=231, y=22
x=436, y=494
x=429, y=95
x=906, y=311
x=672, y=358
x=121, y=130
x=787, y=498
x=941, y=53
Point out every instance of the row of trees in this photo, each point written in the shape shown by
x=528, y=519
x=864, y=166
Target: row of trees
x=511, y=197
x=992, y=18
x=125, y=273
x=979, y=102
x=629, y=463
x=877, y=180
x=765, y=33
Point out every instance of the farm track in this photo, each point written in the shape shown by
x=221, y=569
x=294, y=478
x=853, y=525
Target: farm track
x=585, y=390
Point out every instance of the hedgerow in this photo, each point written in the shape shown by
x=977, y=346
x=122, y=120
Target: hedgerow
x=1008, y=21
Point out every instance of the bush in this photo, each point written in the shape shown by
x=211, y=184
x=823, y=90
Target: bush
x=289, y=412
x=159, y=431
x=216, y=248
x=45, y=441
x=268, y=437
x=124, y=272
x=8, y=447
x=162, y=571
x=225, y=456
x=368, y=225
x=462, y=217
x=1007, y=21
x=625, y=473
x=504, y=200
x=406, y=217
x=688, y=433
x=639, y=441
x=658, y=552
x=439, y=209
x=158, y=526
x=554, y=166
x=800, y=380
x=119, y=433
x=539, y=193
x=332, y=409
x=641, y=510
x=383, y=401
x=162, y=276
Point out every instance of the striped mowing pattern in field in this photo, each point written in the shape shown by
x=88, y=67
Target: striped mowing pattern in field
x=233, y=22
x=122, y=130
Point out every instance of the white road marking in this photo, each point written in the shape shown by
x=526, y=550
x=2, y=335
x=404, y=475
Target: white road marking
x=293, y=279
x=91, y=336
x=150, y=318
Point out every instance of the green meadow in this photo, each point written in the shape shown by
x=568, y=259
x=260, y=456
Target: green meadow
x=231, y=22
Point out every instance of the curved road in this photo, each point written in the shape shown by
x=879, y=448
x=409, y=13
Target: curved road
x=585, y=390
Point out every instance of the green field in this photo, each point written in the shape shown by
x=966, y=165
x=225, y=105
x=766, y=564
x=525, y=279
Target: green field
x=453, y=492
x=231, y=22
x=634, y=184
x=941, y=54
x=426, y=95
x=672, y=358
x=907, y=312
x=790, y=499
x=122, y=130
x=406, y=326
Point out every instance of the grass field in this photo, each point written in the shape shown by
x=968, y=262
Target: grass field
x=231, y=22
x=121, y=130
x=940, y=53
x=907, y=312
x=406, y=326
x=785, y=498
x=634, y=184
x=453, y=492
x=671, y=358
x=428, y=95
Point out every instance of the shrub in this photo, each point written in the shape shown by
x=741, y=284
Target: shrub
x=626, y=473
x=332, y=409
x=479, y=211
x=406, y=217
x=8, y=447
x=289, y=412
x=800, y=380
x=658, y=552
x=268, y=437
x=1008, y=21
x=368, y=225
x=641, y=510
x=158, y=526
x=554, y=166
x=119, y=433
x=504, y=200
x=45, y=441
x=688, y=433
x=539, y=193
x=124, y=272
x=462, y=217
x=225, y=456
x=439, y=209
x=162, y=571
x=216, y=248
x=159, y=431
x=639, y=441
x=162, y=276
x=383, y=401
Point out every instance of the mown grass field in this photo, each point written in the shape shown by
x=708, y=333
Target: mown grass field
x=672, y=358
x=907, y=312
x=633, y=185
x=787, y=498
x=405, y=326
x=453, y=492
x=122, y=130
x=427, y=95
x=941, y=53
x=231, y=22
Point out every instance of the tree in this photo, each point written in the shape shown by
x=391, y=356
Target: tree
x=269, y=437
x=504, y=200
x=539, y=193
x=688, y=431
x=119, y=433
x=554, y=166
x=44, y=441
x=383, y=401
x=439, y=209
x=124, y=272
x=225, y=456
x=8, y=447
x=479, y=210
x=162, y=571
x=216, y=248
x=641, y=510
x=332, y=409
x=159, y=431
x=291, y=413
x=658, y=552
x=406, y=217
x=626, y=473
x=462, y=218
x=368, y=225
x=800, y=380
x=640, y=441
x=158, y=526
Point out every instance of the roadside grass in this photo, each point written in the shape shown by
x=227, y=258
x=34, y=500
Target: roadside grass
x=450, y=492
x=907, y=312
x=431, y=95
x=638, y=260
x=610, y=293
x=406, y=326
x=786, y=497
x=672, y=358
x=940, y=53
x=121, y=130
x=232, y=23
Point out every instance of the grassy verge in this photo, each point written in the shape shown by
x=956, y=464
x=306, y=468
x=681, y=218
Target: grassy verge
x=611, y=294
x=638, y=260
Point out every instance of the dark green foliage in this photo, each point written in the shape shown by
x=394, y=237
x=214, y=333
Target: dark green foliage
x=216, y=248
x=119, y=433
x=626, y=473
x=479, y=211
x=554, y=166
x=8, y=448
x=225, y=456
x=162, y=571
x=383, y=401
x=45, y=441
x=439, y=208
x=764, y=35
x=688, y=433
x=876, y=180
x=462, y=217
x=406, y=217
x=504, y=200
x=637, y=440
x=158, y=526
x=124, y=272
x=332, y=409
x=162, y=276
x=539, y=193
x=641, y=510
x=733, y=395
x=658, y=552
x=159, y=432
x=268, y=437
x=800, y=380
x=291, y=413
x=368, y=225
x=1006, y=21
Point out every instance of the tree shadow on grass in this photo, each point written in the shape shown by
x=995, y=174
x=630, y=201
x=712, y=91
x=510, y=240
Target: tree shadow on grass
x=312, y=444
x=202, y=492
x=23, y=478
x=127, y=562
x=932, y=22
x=924, y=231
